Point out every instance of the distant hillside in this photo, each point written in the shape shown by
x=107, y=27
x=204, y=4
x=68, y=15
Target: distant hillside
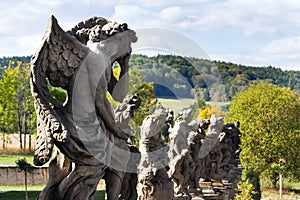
x=5, y=61
x=12, y=61
x=175, y=76
x=204, y=77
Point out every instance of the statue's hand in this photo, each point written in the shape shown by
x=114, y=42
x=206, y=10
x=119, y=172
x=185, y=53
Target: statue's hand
x=121, y=134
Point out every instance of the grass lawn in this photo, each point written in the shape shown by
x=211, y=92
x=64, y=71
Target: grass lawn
x=291, y=190
x=271, y=194
x=18, y=193
x=11, y=159
x=176, y=104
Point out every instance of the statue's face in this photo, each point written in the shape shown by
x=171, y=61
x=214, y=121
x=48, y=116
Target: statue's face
x=120, y=44
x=117, y=48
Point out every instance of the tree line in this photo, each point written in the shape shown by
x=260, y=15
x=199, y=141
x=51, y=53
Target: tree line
x=176, y=76
x=16, y=104
x=204, y=78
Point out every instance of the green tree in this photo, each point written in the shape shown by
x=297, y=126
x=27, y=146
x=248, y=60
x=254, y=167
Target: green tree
x=23, y=165
x=17, y=107
x=23, y=105
x=138, y=85
x=59, y=94
x=6, y=103
x=269, y=117
x=136, y=80
x=245, y=191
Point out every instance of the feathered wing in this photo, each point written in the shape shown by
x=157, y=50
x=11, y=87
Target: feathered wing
x=56, y=60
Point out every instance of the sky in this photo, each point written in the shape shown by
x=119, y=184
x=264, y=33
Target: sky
x=253, y=32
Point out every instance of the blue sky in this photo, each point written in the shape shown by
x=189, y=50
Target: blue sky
x=254, y=32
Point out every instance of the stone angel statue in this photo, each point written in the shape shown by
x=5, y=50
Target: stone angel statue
x=80, y=130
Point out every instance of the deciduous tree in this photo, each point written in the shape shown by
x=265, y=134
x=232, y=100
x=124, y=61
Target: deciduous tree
x=270, y=124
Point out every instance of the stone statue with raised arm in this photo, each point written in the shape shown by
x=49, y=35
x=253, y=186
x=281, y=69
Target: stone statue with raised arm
x=210, y=152
x=82, y=129
x=181, y=162
x=123, y=162
x=154, y=182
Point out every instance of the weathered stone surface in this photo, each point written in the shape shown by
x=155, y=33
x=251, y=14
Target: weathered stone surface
x=82, y=130
x=154, y=182
x=182, y=165
x=120, y=176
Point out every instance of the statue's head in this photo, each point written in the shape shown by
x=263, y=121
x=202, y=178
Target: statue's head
x=97, y=29
x=159, y=116
x=153, y=124
x=115, y=39
x=119, y=45
x=185, y=115
x=216, y=122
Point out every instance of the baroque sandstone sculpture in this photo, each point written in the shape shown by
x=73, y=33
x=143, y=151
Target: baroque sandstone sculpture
x=181, y=161
x=154, y=181
x=123, y=162
x=81, y=131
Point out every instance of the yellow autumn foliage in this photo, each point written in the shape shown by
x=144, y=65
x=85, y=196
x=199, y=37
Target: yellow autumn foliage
x=209, y=110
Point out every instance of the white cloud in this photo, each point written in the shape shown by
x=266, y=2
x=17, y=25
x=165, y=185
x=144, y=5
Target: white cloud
x=284, y=53
x=255, y=16
x=230, y=29
x=289, y=45
x=285, y=62
x=249, y=17
x=173, y=17
x=52, y=3
x=134, y=15
x=167, y=3
x=172, y=14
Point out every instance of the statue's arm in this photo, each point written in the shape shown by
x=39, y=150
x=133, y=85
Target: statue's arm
x=105, y=111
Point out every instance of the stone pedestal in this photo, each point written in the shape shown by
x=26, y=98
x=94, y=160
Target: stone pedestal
x=196, y=194
x=224, y=189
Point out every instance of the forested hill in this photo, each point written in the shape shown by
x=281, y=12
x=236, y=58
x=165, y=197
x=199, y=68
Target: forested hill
x=13, y=61
x=178, y=76
x=201, y=73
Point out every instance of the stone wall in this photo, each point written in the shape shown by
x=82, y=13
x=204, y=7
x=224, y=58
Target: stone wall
x=9, y=175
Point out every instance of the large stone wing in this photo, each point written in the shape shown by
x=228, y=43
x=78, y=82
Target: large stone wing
x=56, y=61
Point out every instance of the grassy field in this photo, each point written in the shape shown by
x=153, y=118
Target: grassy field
x=271, y=194
x=291, y=190
x=177, y=104
x=11, y=159
x=18, y=193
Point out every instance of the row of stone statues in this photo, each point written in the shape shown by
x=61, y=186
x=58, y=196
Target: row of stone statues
x=86, y=140
x=198, y=149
